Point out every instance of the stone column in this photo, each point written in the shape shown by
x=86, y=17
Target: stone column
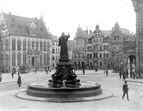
x=138, y=6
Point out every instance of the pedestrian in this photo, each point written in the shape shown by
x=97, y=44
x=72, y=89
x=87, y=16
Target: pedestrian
x=106, y=72
x=120, y=74
x=83, y=68
x=19, y=80
x=0, y=77
x=125, y=90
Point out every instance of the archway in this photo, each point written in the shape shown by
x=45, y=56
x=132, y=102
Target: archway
x=131, y=62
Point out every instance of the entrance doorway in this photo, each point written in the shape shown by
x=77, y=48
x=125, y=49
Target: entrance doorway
x=131, y=64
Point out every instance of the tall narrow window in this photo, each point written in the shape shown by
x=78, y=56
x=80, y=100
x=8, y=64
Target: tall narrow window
x=41, y=59
x=18, y=44
x=13, y=60
x=13, y=44
x=40, y=45
x=19, y=59
x=24, y=45
x=45, y=46
x=24, y=59
x=33, y=44
x=45, y=59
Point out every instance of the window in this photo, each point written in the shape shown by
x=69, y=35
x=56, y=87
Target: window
x=37, y=45
x=24, y=59
x=40, y=59
x=45, y=59
x=100, y=47
x=13, y=60
x=40, y=45
x=48, y=59
x=53, y=58
x=107, y=55
x=94, y=55
x=13, y=44
x=104, y=56
x=33, y=44
x=18, y=44
x=100, y=55
x=18, y=59
x=45, y=46
x=53, y=50
x=114, y=37
x=24, y=45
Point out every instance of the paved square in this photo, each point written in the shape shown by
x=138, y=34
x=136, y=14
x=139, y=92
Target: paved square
x=111, y=83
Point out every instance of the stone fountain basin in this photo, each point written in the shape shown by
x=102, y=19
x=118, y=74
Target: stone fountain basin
x=84, y=90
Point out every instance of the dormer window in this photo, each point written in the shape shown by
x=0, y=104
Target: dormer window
x=32, y=29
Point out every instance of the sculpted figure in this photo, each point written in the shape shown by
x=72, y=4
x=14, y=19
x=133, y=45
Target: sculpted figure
x=63, y=44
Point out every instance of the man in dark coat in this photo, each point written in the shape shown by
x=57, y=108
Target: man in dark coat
x=19, y=80
x=125, y=90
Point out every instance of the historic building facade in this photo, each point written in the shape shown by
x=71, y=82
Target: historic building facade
x=79, y=49
x=24, y=42
x=91, y=49
x=102, y=49
x=97, y=50
x=117, y=38
x=55, y=52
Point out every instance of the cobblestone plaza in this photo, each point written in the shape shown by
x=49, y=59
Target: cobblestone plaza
x=111, y=83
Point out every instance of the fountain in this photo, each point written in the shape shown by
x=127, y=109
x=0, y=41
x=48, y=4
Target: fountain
x=64, y=85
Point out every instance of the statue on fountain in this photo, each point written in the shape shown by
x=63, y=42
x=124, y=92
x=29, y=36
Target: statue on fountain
x=64, y=69
x=63, y=44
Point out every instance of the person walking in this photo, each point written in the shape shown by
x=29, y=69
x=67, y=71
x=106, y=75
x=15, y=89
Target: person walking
x=120, y=74
x=125, y=90
x=83, y=68
x=106, y=72
x=19, y=80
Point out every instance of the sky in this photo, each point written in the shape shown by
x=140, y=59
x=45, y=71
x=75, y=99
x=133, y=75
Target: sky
x=66, y=15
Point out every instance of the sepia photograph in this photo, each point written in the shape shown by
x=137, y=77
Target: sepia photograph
x=71, y=55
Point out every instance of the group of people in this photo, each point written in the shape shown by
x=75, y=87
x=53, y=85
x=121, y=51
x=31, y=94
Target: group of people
x=124, y=73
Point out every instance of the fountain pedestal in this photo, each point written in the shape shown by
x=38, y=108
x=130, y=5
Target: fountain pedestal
x=64, y=72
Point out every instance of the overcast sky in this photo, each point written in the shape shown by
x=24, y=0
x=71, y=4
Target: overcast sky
x=66, y=15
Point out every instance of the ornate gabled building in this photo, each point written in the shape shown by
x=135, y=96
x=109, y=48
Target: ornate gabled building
x=24, y=41
x=97, y=50
x=117, y=39
x=91, y=48
x=102, y=49
x=79, y=49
